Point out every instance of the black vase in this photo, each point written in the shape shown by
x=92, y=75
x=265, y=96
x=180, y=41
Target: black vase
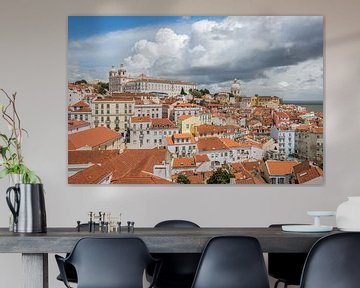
x=28, y=208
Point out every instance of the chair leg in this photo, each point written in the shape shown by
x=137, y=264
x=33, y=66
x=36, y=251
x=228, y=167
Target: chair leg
x=277, y=283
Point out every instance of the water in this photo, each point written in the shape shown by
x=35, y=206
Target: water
x=310, y=106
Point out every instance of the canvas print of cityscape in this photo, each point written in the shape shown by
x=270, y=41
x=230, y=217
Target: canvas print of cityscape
x=195, y=100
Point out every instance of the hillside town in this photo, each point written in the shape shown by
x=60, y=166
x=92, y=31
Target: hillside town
x=147, y=130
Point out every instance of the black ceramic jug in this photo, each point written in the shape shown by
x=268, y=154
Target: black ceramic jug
x=28, y=208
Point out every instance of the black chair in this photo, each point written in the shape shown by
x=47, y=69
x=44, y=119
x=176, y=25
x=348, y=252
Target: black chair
x=286, y=267
x=108, y=263
x=69, y=269
x=333, y=262
x=178, y=269
x=232, y=262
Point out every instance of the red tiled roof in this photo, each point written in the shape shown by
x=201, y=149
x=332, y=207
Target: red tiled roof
x=183, y=162
x=309, y=174
x=91, y=137
x=184, y=117
x=91, y=156
x=92, y=175
x=162, y=122
x=80, y=104
x=282, y=114
x=201, y=158
x=280, y=167
x=183, y=135
x=206, y=128
x=210, y=144
x=73, y=124
x=189, y=105
x=135, y=119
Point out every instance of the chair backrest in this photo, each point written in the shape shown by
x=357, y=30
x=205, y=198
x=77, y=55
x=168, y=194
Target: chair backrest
x=178, y=267
x=176, y=224
x=232, y=262
x=333, y=262
x=110, y=262
x=286, y=266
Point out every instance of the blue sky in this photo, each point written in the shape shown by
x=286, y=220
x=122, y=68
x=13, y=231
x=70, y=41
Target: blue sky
x=270, y=55
x=80, y=27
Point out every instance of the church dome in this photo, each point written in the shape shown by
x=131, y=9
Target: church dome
x=235, y=87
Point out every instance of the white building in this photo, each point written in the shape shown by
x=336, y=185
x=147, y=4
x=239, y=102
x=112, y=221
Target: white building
x=113, y=112
x=181, y=145
x=235, y=88
x=185, y=109
x=79, y=111
x=120, y=81
x=286, y=140
x=148, y=108
x=224, y=151
x=147, y=133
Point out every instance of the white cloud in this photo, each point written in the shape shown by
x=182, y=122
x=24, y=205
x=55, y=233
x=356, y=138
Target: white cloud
x=270, y=55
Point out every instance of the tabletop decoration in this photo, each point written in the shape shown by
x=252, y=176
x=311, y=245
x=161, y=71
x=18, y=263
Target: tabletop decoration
x=348, y=215
x=25, y=197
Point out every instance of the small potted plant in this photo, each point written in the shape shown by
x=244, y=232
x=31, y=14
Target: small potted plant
x=12, y=161
x=26, y=197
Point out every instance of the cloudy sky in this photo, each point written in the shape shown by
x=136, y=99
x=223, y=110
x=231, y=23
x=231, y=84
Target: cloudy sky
x=275, y=55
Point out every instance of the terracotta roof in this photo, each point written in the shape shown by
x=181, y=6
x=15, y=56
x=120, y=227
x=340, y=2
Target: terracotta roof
x=309, y=174
x=183, y=162
x=183, y=136
x=80, y=104
x=81, y=110
x=317, y=130
x=302, y=127
x=252, y=165
x=135, y=166
x=281, y=114
x=91, y=156
x=201, y=158
x=91, y=137
x=135, y=119
x=206, y=128
x=184, y=117
x=210, y=144
x=162, y=122
x=142, y=180
x=169, y=140
x=231, y=143
x=280, y=167
x=92, y=175
x=188, y=105
x=305, y=172
x=73, y=124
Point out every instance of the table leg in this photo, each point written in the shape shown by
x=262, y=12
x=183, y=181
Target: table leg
x=35, y=270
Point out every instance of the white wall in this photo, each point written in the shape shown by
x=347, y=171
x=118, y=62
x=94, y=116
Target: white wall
x=33, y=45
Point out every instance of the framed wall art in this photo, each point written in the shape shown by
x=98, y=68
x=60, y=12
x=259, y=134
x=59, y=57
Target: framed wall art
x=195, y=100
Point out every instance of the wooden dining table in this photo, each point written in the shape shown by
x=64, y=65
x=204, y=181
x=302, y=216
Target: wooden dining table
x=35, y=247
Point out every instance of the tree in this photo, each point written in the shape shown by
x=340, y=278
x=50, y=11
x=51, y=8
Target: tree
x=182, y=91
x=183, y=179
x=220, y=176
x=102, y=88
x=205, y=91
x=83, y=81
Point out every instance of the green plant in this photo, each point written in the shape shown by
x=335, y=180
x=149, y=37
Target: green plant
x=183, y=179
x=220, y=176
x=12, y=161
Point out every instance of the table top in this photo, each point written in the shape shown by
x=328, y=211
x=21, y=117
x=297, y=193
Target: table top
x=158, y=240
